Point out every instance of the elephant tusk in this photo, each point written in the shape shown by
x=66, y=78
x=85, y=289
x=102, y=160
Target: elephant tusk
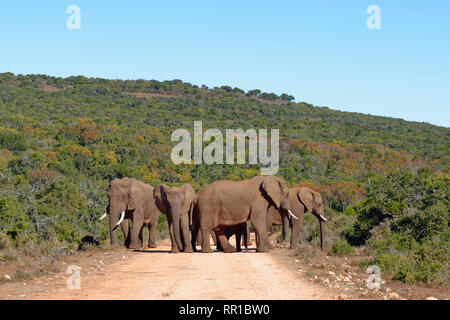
x=122, y=216
x=323, y=218
x=290, y=212
x=103, y=216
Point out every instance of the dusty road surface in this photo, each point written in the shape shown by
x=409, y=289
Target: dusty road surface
x=158, y=274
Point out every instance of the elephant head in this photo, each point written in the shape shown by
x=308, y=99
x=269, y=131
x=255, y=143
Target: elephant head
x=123, y=194
x=312, y=200
x=276, y=192
x=175, y=202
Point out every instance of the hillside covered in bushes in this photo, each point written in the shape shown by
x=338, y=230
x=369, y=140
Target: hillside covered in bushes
x=385, y=181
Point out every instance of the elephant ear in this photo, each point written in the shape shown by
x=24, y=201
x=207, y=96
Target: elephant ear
x=192, y=209
x=272, y=188
x=158, y=196
x=189, y=195
x=306, y=196
x=135, y=196
x=195, y=200
x=317, y=199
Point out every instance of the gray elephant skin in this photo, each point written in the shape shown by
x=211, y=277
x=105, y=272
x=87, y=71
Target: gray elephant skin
x=241, y=233
x=176, y=203
x=301, y=199
x=228, y=203
x=130, y=199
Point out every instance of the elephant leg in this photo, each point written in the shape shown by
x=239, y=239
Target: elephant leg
x=141, y=240
x=245, y=234
x=136, y=229
x=196, y=238
x=172, y=236
x=248, y=224
x=152, y=230
x=186, y=233
x=269, y=222
x=152, y=235
x=224, y=243
x=261, y=231
x=218, y=245
x=125, y=225
x=238, y=236
x=214, y=237
x=206, y=247
x=285, y=229
x=296, y=232
x=269, y=244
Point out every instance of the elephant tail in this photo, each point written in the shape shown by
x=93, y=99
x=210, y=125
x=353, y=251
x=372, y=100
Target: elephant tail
x=192, y=212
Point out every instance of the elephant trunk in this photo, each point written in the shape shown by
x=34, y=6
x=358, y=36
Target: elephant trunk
x=112, y=230
x=322, y=220
x=321, y=225
x=116, y=216
x=176, y=229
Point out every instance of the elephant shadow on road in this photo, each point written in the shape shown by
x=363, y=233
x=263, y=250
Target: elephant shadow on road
x=250, y=250
x=151, y=251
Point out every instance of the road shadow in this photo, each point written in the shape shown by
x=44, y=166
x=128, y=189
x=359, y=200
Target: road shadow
x=250, y=250
x=151, y=251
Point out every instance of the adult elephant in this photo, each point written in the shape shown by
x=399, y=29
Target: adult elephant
x=301, y=199
x=176, y=203
x=228, y=203
x=130, y=199
x=193, y=219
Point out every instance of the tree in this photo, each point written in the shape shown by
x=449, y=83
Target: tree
x=286, y=97
x=269, y=96
x=253, y=93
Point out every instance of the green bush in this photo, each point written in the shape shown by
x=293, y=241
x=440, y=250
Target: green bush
x=7, y=250
x=401, y=257
x=94, y=130
x=405, y=222
x=341, y=248
x=12, y=140
x=5, y=241
x=415, y=204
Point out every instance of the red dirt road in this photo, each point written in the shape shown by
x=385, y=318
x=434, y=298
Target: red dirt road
x=158, y=274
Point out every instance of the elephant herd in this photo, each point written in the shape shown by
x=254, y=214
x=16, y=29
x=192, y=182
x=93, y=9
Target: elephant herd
x=221, y=209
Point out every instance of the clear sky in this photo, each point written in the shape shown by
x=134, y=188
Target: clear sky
x=319, y=51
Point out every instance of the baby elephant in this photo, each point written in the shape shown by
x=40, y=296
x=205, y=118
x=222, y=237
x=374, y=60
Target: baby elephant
x=239, y=230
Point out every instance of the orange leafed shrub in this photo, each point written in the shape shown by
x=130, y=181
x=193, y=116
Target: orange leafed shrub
x=305, y=143
x=88, y=137
x=42, y=175
x=89, y=131
x=30, y=131
x=306, y=185
x=70, y=131
x=342, y=194
x=86, y=131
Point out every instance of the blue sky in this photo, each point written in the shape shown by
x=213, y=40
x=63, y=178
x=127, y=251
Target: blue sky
x=319, y=51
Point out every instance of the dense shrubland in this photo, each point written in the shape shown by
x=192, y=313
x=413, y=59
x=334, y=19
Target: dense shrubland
x=385, y=181
x=404, y=221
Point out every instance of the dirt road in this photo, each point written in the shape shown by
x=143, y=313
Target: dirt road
x=118, y=273
x=158, y=274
